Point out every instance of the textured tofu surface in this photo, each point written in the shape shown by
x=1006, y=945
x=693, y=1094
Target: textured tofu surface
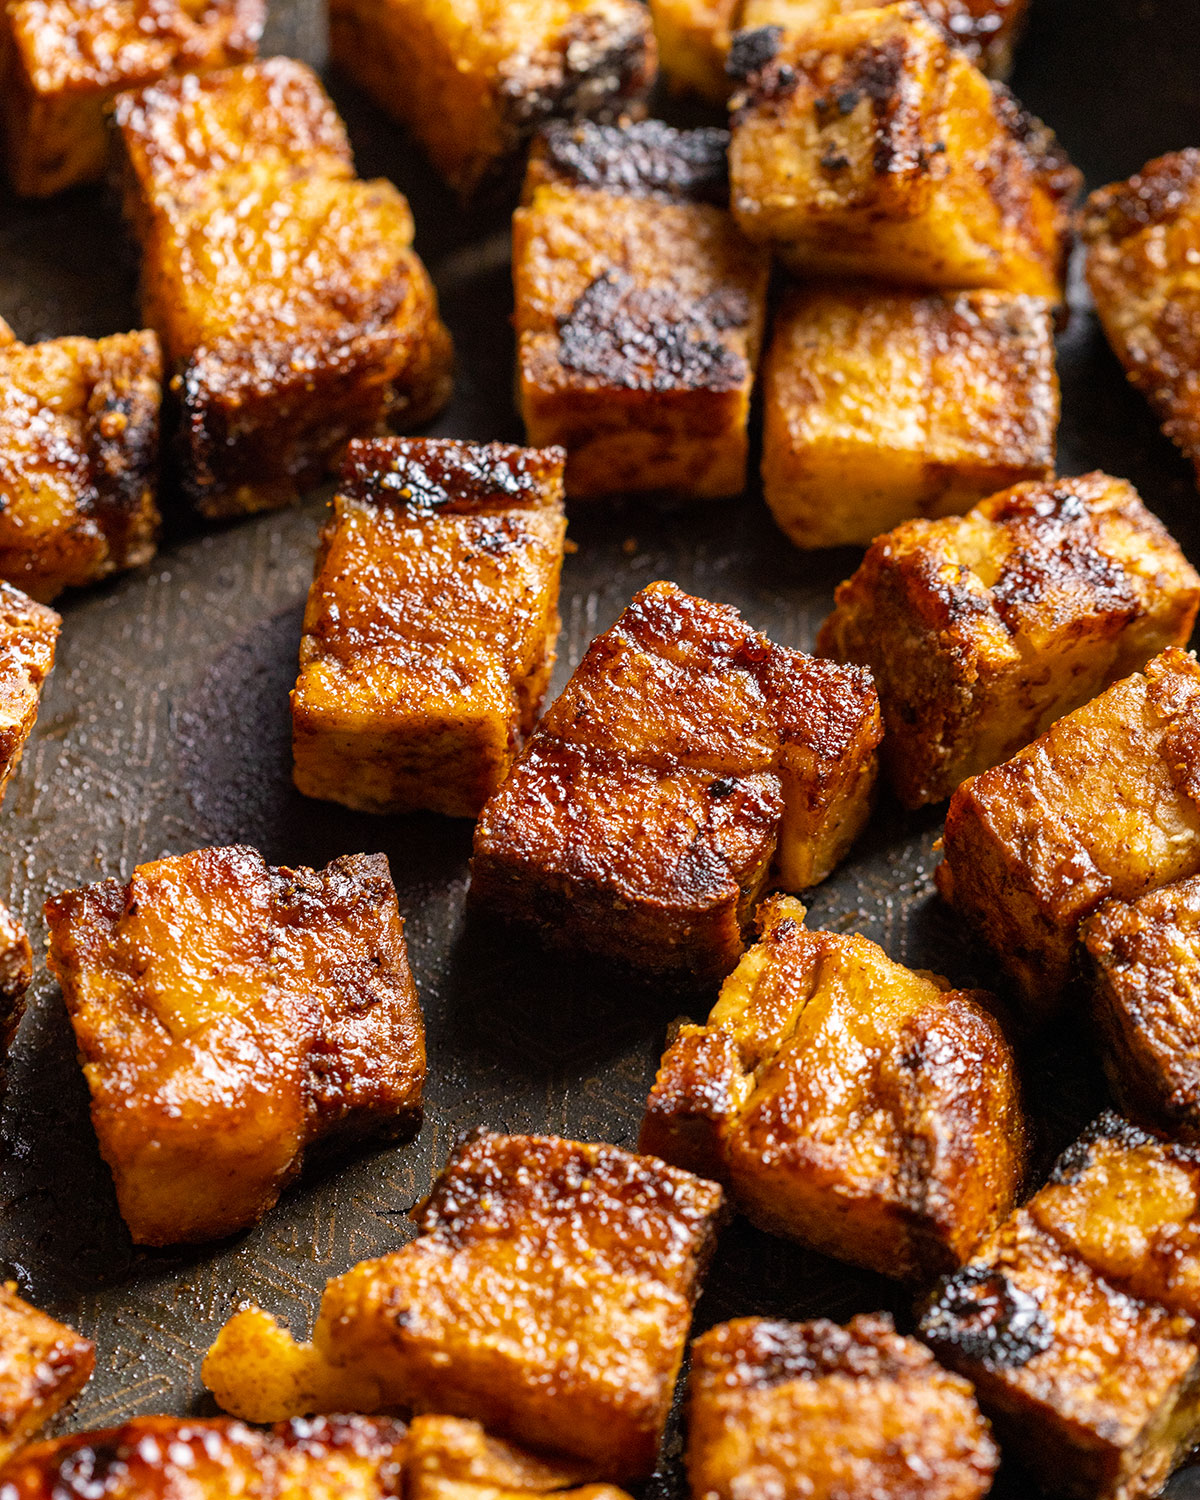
x=882, y=151
x=480, y=77
x=16, y=970
x=316, y=323
x=639, y=310
x=79, y=423
x=43, y=1365
x=62, y=63
x=431, y=624
x=1143, y=238
x=229, y=1015
x=846, y=1102
x=980, y=632
x=28, y=637
x=1105, y=803
x=882, y=404
x=688, y=762
x=814, y=1411
x=450, y=1458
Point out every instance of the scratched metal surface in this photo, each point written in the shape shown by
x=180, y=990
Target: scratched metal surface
x=165, y=726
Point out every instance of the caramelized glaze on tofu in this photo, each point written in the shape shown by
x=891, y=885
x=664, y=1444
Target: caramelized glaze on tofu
x=315, y=323
x=813, y=1411
x=882, y=404
x=431, y=624
x=846, y=1102
x=981, y=631
x=1075, y=1320
x=78, y=459
x=1105, y=803
x=882, y=151
x=639, y=310
x=43, y=1365
x=450, y=1458
x=1143, y=239
x=548, y=1296
x=478, y=78
x=16, y=970
x=229, y=1015
x=688, y=762
x=28, y=637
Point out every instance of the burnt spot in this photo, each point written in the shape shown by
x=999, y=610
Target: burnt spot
x=1108, y=1126
x=979, y=1315
x=752, y=51
x=441, y=474
x=646, y=159
x=722, y=788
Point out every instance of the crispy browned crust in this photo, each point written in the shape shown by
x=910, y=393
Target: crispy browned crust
x=431, y=624
x=451, y=1458
x=813, y=1411
x=637, y=159
x=231, y=1014
x=648, y=833
x=1141, y=237
x=28, y=638
x=322, y=327
x=16, y=970
x=43, y=1365
x=980, y=632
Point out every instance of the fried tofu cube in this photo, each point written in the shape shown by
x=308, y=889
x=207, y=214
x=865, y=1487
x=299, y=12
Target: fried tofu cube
x=478, y=79
x=846, y=1102
x=814, y=1411
x=548, y=1296
x=639, y=310
x=43, y=1365
x=315, y=323
x=431, y=624
x=688, y=762
x=450, y=1458
x=881, y=151
x=1105, y=803
x=79, y=425
x=694, y=38
x=16, y=970
x=1143, y=239
x=980, y=632
x=883, y=404
x=28, y=638
x=229, y=1015
x=62, y=64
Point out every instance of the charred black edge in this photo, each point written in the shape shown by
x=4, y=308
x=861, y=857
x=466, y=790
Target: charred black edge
x=1108, y=1126
x=1008, y=1333
x=642, y=159
x=448, y=475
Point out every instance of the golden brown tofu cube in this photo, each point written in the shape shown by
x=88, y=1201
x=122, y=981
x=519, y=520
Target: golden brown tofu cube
x=639, y=310
x=1105, y=803
x=16, y=970
x=813, y=1411
x=165, y=1458
x=315, y=323
x=846, y=1102
x=43, y=1365
x=980, y=632
x=28, y=637
x=230, y=1014
x=883, y=404
x=688, y=762
x=882, y=151
x=431, y=623
x=450, y=1458
x=473, y=81
x=548, y=1296
x=62, y=64
x=1143, y=240
x=78, y=459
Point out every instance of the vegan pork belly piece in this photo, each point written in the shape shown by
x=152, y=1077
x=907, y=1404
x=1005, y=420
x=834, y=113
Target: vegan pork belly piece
x=230, y=1014
x=980, y=631
x=431, y=624
x=315, y=323
x=28, y=638
x=689, y=763
x=846, y=1102
x=639, y=310
x=879, y=150
x=43, y=1365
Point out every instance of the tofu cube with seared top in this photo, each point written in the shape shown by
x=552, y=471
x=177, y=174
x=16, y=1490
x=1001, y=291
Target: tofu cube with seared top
x=639, y=310
x=1105, y=803
x=814, y=1411
x=62, y=64
x=230, y=1014
x=846, y=1102
x=43, y=1365
x=548, y=1296
x=882, y=404
x=451, y=1458
x=980, y=632
x=1143, y=240
x=28, y=639
x=79, y=423
x=688, y=763
x=314, y=323
x=473, y=81
x=431, y=624
x=879, y=150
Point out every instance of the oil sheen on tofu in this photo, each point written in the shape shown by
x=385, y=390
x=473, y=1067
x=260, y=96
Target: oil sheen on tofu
x=28, y=639
x=43, y=1365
